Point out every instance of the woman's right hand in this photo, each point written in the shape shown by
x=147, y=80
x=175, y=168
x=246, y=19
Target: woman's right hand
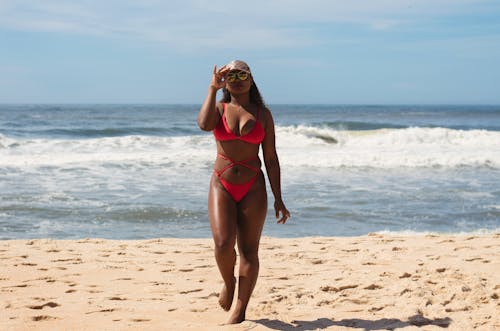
x=219, y=77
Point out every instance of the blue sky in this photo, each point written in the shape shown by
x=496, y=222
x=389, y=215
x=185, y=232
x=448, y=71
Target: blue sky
x=341, y=52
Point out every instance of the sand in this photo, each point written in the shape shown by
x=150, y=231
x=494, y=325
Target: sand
x=373, y=282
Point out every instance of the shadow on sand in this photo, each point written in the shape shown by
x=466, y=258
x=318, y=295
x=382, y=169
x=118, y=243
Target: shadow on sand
x=366, y=325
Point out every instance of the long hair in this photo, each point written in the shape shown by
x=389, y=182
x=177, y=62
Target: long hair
x=255, y=96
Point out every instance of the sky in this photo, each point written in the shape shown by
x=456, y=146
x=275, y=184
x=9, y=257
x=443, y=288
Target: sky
x=300, y=52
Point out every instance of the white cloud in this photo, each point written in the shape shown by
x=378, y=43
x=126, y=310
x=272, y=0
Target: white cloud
x=217, y=24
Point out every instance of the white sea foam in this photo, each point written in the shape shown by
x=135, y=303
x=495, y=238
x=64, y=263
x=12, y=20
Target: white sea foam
x=146, y=150
x=298, y=146
x=409, y=233
x=388, y=148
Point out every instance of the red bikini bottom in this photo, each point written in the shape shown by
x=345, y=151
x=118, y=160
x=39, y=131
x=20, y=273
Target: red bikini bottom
x=237, y=191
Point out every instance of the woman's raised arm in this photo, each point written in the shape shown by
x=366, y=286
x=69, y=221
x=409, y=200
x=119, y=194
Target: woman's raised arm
x=208, y=117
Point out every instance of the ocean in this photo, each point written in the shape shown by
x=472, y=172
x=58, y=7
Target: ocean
x=142, y=171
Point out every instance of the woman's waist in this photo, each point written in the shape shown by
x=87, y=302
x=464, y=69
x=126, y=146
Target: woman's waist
x=244, y=167
x=238, y=158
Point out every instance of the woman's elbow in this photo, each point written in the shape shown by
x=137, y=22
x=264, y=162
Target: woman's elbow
x=272, y=163
x=203, y=125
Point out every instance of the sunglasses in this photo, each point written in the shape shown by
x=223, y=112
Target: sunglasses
x=232, y=76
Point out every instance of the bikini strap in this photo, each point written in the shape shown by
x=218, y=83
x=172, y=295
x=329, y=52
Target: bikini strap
x=233, y=163
x=224, y=110
x=224, y=157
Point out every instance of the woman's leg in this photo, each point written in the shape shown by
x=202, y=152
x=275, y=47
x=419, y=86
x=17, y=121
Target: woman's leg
x=252, y=211
x=223, y=222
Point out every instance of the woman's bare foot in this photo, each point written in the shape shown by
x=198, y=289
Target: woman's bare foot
x=226, y=296
x=236, y=318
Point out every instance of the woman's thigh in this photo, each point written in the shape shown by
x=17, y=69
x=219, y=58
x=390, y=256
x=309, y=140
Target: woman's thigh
x=252, y=211
x=223, y=215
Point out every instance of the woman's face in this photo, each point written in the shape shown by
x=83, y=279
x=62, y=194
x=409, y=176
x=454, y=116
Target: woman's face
x=238, y=82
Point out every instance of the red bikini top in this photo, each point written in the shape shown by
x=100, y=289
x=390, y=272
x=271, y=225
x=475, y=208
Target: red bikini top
x=222, y=131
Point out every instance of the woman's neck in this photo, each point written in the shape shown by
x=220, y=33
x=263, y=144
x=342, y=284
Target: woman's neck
x=240, y=100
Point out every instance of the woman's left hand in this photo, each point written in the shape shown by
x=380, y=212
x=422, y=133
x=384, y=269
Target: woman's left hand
x=279, y=207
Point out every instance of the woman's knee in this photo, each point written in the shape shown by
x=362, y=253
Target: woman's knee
x=249, y=255
x=224, y=244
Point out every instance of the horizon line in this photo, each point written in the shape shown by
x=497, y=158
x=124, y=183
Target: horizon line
x=273, y=103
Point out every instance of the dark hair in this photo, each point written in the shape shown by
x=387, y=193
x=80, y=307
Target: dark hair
x=255, y=96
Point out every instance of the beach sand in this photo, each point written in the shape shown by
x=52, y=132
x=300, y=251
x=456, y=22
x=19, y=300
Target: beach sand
x=373, y=282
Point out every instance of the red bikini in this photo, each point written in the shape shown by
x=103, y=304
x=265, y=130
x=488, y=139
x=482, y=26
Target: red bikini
x=223, y=133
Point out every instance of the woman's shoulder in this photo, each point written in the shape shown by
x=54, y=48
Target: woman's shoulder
x=265, y=117
x=265, y=112
x=220, y=107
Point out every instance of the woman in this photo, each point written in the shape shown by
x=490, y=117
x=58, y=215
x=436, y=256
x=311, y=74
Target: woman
x=237, y=199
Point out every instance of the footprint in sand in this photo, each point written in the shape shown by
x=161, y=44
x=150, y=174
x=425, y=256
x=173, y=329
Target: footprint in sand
x=203, y=266
x=279, y=297
x=283, y=278
x=48, y=304
x=329, y=288
x=406, y=290
x=109, y=310
x=43, y=318
x=446, y=302
x=335, y=289
x=325, y=303
x=317, y=261
x=117, y=298
x=191, y=291
x=20, y=286
x=213, y=294
x=346, y=287
x=453, y=310
x=186, y=270
x=72, y=260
